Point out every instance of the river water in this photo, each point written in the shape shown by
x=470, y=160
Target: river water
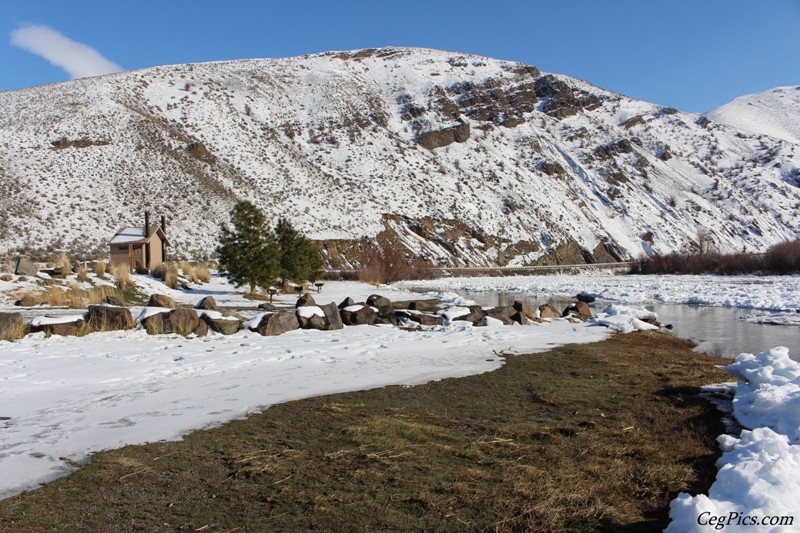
x=717, y=330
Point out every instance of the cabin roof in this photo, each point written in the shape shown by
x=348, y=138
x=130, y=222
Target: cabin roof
x=137, y=236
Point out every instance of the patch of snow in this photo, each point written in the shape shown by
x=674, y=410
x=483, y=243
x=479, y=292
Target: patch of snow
x=52, y=320
x=308, y=311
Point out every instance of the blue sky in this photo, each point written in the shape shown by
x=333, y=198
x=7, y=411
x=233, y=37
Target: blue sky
x=693, y=55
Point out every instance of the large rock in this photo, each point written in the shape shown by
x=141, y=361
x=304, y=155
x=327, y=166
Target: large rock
x=440, y=138
x=64, y=329
x=24, y=267
x=304, y=300
x=277, y=323
x=580, y=310
x=226, y=326
x=426, y=319
x=332, y=316
x=109, y=318
x=311, y=317
x=347, y=302
x=548, y=311
x=523, y=313
x=26, y=301
x=162, y=300
x=181, y=321
x=114, y=300
x=358, y=315
x=266, y=306
x=376, y=300
x=208, y=303
x=476, y=314
x=503, y=313
x=428, y=306
x=12, y=326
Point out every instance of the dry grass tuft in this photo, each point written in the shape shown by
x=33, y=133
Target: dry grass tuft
x=64, y=262
x=100, y=268
x=202, y=273
x=12, y=333
x=6, y=277
x=167, y=272
x=74, y=297
x=123, y=274
x=83, y=273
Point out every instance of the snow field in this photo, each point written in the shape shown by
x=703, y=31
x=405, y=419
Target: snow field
x=63, y=398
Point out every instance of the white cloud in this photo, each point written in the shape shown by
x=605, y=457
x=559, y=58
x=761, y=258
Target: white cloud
x=79, y=60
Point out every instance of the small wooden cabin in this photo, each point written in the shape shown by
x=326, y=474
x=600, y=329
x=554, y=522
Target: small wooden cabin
x=140, y=248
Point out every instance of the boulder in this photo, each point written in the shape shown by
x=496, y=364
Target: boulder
x=202, y=328
x=585, y=296
x=305, y=299
x=109, y=317
x=277, y=323
x=222, y=325
x=579, y=309
x=24, y=267
x=266, y=306
x=385, y=313
x=523, y=313
x=208, y=303
x=27, y=301
x=358, y=315
x=503, y=313
x=427, y=306
x=114, y=300
x=310, y=317
x=12, y=326
x=440, y=138
x=161, y=300
x=376, y=300
x=426, y=319
x=347, y=302
x=181, y=321
x=332, y=316
x=548, y=311
x=476, y=314
x=61, y=328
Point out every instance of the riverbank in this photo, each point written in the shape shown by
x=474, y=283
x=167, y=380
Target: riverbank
x=585, y=437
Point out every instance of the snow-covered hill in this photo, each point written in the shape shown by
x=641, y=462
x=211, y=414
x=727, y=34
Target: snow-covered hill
x=464, y=159
x=775, y=112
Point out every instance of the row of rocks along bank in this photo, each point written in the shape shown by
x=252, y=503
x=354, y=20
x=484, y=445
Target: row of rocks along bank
x=161, y=316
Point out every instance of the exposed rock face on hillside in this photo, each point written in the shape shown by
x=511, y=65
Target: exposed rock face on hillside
x=463, y=159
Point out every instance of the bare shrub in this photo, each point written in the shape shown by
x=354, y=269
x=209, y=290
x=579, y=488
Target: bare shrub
x=63, y=261
x=783, y=258
x=100, y=269
x=706, y=263
x=166, y=272
x=386, y=263
x=202, y=273
x=188, y=271
x=123, y=274
x=83, y=273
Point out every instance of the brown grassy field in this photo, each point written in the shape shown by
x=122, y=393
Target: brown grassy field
x=596, y=437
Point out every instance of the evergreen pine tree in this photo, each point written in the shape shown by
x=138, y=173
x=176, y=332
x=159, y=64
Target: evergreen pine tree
x=248, y=253
x=300, y=258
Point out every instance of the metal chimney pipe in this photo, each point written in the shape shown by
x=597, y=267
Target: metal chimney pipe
x=164, y=242
x=146, y=245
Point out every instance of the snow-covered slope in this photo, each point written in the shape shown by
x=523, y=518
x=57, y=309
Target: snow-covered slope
x=462, y=158
x=775, y=112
